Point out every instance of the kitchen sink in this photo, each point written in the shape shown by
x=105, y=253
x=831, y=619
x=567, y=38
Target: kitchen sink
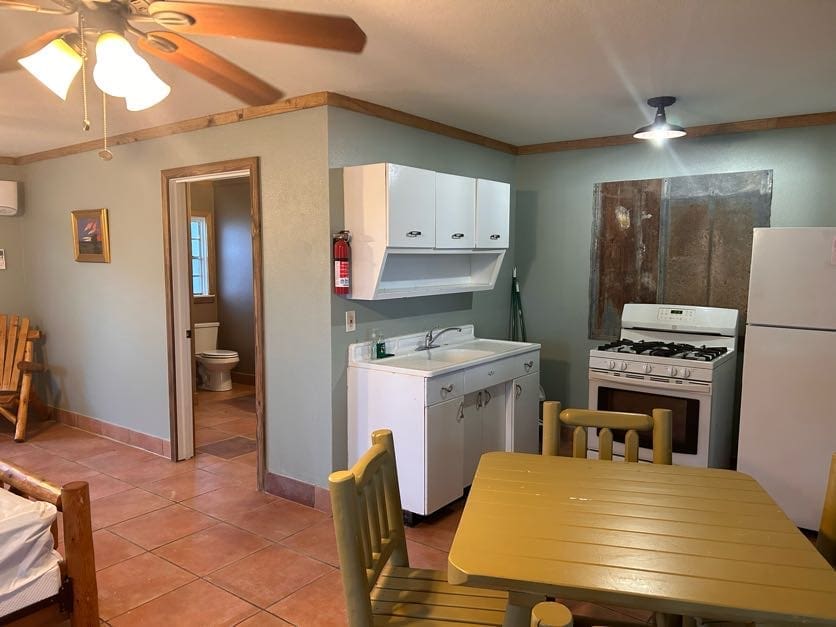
x=457, y=355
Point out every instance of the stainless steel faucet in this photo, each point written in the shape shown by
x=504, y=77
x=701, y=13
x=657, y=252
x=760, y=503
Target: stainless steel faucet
x=431, y=338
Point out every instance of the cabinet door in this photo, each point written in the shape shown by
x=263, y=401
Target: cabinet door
x=493, y=410
x=455, y=211
x=525, y=411
x=411, y=206
x=493, y=214
x=444, y=453
x=472, y=436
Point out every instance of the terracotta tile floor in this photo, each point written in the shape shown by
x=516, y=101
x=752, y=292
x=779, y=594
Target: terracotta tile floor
x=194, y=543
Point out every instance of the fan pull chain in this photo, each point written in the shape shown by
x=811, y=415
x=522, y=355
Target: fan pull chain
x=85, y=125
x=105, y=153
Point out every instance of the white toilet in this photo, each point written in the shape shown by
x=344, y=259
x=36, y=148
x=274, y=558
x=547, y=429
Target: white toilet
x=214, y=366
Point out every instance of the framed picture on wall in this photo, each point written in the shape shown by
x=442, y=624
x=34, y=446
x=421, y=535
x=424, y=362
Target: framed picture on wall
x=91, y=241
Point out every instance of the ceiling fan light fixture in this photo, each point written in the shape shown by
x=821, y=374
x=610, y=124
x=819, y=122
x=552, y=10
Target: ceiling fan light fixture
x=148, y=91
x=55, y=65
x=660, y=129
x=117, y=65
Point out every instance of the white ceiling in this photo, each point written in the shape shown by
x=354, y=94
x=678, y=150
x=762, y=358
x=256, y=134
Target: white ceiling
x=522, y=71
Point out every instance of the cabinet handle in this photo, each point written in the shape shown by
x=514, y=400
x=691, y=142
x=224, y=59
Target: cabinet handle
x=495, y=236
x=413, y=233
x=479, y=400
x=491, y=373
x=460, y=417
x=488, y=397
x=529, y=364
x=517, y=390
x=446, y=389
x=457, y=235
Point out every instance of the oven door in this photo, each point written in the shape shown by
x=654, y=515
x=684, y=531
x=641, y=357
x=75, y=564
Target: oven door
x=689, y=402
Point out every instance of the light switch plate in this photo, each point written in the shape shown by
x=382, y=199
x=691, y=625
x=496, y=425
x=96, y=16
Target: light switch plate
x=2, y=259
x=350, y=322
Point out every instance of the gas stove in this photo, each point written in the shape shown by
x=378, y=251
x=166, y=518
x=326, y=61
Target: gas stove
x=665, y=349
x=676, y=357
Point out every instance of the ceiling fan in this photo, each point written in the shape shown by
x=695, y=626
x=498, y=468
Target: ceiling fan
x=56, y=56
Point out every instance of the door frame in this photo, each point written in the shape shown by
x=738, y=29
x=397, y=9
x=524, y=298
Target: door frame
x=250, y=165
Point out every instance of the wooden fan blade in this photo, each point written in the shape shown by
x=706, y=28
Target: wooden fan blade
x=212, y=68
x=8, y=61
x=287, y=27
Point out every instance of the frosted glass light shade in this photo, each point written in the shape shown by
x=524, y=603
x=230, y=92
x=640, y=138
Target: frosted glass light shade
x=115, y=69
x=55, y=65
x=148, y=90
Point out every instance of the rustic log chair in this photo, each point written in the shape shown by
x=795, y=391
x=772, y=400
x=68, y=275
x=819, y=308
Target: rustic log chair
x=78, y=598
x=17, y=364
x=659, y=424
x=380, y=587
x=549, y=614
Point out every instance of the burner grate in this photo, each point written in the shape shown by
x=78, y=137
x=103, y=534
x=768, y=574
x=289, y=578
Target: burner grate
x=665, y=349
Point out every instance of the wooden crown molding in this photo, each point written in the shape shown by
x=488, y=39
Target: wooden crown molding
x=745, y=126
x=323, y=98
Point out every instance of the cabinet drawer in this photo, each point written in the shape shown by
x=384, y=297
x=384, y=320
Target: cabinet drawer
x=501, y=370
x=445, y=387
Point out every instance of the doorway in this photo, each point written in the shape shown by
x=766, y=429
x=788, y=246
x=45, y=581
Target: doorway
x=206, y=250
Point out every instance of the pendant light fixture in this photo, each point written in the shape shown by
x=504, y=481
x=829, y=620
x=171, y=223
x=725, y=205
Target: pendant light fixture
x=660, y=129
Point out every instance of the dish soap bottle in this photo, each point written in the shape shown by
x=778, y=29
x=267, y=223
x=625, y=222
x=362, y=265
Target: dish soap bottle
x=380, y=347
x=373, y=341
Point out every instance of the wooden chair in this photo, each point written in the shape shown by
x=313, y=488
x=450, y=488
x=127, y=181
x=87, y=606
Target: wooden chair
x=826, y=541
x=380, y=587
x=659, y=424
x=17, y=364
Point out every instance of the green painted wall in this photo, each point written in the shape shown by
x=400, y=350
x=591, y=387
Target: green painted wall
x=554, y=222
x=355, y=139
x=13, y=278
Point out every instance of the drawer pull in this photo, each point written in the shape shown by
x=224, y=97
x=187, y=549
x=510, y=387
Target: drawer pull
x=488, y=397
x=457, y=235
x=495, y=236
x=446, y=389
x=413, y=233
x=529, y=364
x=491, y=373
x=460, y=417
x=517, y=390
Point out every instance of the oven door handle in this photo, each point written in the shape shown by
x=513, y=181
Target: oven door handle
x=672, y=388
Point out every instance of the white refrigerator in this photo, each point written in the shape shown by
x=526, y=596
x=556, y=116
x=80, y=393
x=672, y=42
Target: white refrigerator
x=788, y=402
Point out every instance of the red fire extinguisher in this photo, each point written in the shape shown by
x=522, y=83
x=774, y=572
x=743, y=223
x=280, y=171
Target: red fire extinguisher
x=342, y=263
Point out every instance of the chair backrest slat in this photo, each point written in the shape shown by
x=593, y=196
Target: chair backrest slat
x=11, y=339
x=659, y=424
x=368, y=521
x=605, y=444
x=826, y=542
x=22, y=345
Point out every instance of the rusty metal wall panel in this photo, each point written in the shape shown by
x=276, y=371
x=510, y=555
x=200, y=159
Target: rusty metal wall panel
x=625, y=251
x=692, y=247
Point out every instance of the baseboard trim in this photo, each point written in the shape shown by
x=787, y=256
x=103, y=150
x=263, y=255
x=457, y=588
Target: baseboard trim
x=149, y=443
x=298, y=491
x=243, y=377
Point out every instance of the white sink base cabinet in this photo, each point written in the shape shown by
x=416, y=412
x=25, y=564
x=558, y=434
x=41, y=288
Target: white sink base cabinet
x=442, y=424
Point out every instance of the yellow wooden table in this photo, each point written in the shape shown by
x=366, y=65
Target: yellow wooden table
x=673, y=539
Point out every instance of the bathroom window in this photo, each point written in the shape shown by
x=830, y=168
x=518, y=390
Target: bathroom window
x=199, y=236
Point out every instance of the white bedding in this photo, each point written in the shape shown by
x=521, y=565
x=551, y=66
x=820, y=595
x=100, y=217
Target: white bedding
x=29, y=569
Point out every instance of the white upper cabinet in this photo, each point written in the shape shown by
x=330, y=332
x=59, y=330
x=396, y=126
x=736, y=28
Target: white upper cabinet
x=493, y=211
x=411, y=206
x=455, y=211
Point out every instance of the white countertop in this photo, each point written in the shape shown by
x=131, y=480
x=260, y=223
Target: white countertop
x=459, y=350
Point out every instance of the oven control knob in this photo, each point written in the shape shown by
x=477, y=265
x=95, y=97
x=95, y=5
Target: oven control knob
x=672, y=371
x=648, y=368
x=623, y=365
x=612, y=365
x=686, y=373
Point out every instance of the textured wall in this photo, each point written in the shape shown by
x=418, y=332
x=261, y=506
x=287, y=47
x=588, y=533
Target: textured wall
x=554, y=221
x=355, y=139
x=234, y=255
x=105, y=323
x=13, y=278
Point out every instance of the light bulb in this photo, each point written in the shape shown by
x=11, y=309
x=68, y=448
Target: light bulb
x=148, y=90
x=55, y=65
x=117, y=65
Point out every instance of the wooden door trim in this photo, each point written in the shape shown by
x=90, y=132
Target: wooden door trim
x=252, y=166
